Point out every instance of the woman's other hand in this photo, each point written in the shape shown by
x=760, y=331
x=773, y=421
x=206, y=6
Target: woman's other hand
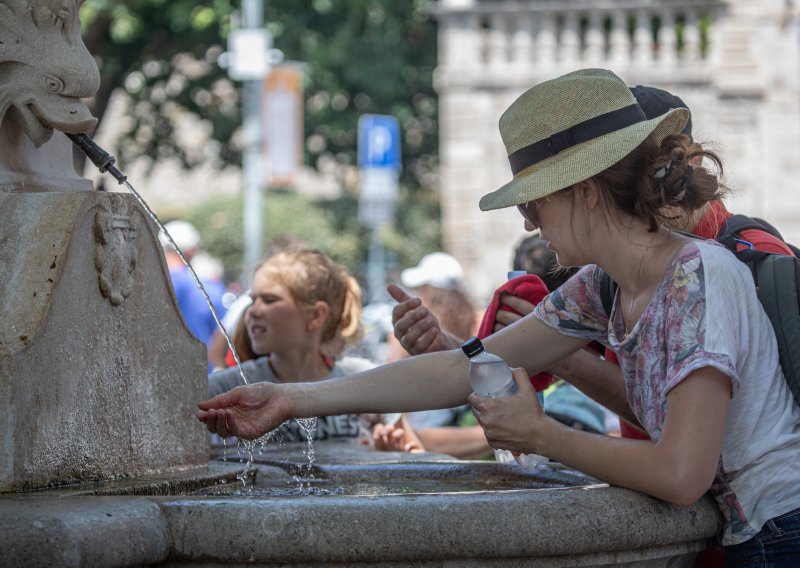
x=247, y=412
x=514, y=422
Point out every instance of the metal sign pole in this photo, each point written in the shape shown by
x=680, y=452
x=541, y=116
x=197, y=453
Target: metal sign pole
x=248, y=59
x=379, y=162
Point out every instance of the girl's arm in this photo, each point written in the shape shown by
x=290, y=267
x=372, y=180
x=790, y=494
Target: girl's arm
x=679, y=468
x=435, y=380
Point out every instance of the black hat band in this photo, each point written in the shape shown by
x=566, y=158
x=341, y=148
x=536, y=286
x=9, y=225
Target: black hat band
x=581, y=132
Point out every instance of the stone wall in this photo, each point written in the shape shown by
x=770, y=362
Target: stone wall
x=735, y=64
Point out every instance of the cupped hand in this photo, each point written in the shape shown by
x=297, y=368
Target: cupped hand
x=415, y=327
x=247, y=412
x=516, y=308
x=514, y=422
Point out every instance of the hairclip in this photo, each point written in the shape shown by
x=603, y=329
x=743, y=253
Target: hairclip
x=667, y=168
x=687, y=177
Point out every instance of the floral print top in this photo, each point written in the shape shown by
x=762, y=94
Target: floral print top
x=705, y=313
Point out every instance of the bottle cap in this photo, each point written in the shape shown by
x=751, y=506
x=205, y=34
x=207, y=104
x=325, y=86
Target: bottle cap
x=472, y=347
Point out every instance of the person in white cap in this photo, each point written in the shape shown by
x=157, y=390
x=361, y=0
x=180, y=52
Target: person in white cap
x=438, y=281
x=697, y=350
x=191, y=302
x=435, y=269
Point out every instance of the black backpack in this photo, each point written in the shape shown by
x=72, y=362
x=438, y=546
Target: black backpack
x=777, y=280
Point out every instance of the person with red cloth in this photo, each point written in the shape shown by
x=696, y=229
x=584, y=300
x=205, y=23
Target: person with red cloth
x=530, y=288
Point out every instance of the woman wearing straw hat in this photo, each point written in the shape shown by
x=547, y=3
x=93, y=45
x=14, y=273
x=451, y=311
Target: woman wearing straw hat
x=696, y=348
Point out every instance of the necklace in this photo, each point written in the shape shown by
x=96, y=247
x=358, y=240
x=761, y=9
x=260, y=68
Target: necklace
x=632, y=302
x=628, y=320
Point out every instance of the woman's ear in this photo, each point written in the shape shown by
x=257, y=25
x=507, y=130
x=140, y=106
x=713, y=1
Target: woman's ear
x=318, y=315
x=591, y=192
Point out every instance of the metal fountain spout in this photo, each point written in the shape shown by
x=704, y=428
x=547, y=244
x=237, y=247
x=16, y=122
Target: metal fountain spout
x=99, y=157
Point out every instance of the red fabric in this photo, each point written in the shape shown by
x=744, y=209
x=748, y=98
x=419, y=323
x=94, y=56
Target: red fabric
x=229, y=360
x=711, y=223
x=530, y=288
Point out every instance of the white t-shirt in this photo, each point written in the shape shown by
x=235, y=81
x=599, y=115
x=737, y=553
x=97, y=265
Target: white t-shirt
x=704, y=313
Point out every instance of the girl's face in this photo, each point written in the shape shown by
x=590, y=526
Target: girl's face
x=274, y=321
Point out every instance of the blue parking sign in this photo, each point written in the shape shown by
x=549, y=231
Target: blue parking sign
x=378, y=142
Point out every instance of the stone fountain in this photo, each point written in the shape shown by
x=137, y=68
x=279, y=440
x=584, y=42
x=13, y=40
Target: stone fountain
x=103, y=463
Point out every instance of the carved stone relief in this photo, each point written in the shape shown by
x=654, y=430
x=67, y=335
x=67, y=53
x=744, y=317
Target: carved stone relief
x=115, y=230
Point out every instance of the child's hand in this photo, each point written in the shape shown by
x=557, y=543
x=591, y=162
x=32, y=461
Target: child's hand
x=396, y=438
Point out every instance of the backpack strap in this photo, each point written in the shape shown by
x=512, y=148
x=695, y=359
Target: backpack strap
x=728, y=234
x=775, y=232
x=608, y=289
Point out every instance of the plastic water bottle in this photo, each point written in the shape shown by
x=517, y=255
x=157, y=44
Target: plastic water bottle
x=490, y=376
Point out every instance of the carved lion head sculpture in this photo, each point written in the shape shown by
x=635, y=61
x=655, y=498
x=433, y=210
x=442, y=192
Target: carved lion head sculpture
x=45, y=69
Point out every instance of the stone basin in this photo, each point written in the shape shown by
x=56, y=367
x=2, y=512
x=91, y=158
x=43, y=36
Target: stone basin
x=271, y=479
x=360, y=508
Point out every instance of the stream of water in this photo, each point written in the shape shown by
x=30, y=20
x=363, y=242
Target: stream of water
x=248, y=444
x=308, y=424
x=202, y=289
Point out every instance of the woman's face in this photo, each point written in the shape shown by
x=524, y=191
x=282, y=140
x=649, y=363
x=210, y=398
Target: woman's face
x=274, y=321
x=555, y=216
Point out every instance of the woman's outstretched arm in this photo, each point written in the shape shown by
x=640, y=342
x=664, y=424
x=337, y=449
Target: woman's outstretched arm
x=435, y=380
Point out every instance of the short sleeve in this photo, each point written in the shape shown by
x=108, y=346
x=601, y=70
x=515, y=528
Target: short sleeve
x=705, y=319
x=576, y=309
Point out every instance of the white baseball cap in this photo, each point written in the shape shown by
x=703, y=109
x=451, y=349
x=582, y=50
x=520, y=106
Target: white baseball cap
x=183, y=233
x=436, y=269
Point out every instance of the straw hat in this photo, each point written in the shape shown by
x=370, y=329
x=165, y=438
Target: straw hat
x=569, y=129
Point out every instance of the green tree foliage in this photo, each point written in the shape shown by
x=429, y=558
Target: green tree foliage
x=330, y=225
x=286, y=215
x=361, y=56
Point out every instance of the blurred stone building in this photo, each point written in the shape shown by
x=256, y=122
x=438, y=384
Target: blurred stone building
x=735, y=63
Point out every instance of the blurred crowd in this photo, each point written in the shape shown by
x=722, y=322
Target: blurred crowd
x=293, y=279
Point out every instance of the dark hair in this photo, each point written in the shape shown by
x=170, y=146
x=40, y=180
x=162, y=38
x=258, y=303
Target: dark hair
x=533, y=256
x=633, y=186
